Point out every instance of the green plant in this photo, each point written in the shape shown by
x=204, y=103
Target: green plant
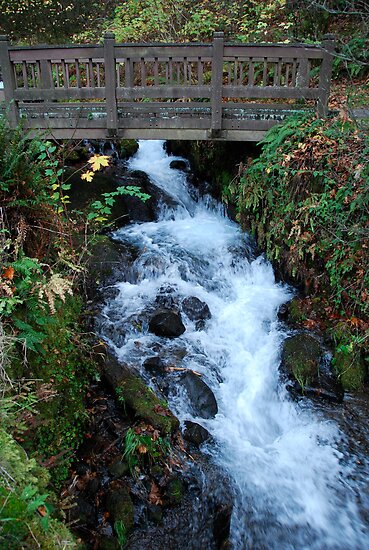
x=121, y=532
x=306, y=199
x=353, y=59
x=142, y=444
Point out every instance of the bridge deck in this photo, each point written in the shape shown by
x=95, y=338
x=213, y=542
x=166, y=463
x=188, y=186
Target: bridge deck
x=163, y=91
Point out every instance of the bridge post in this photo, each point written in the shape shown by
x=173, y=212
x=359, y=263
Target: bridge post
x=328, y=46
x=110, y=85
x=217, y=84
x=9, y=81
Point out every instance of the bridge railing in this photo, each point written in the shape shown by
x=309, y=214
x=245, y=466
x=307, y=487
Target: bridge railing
x=116, y=87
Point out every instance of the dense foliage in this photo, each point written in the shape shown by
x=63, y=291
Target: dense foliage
x=306, y=199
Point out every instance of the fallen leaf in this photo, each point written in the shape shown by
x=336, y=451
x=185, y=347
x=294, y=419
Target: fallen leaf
x=154, y=496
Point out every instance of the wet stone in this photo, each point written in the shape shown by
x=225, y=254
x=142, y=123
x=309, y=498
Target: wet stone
x=154, y=365
x=178, y=165
x=167, y=323
x=194, y=433
x=118, y=468
x=120, y=507
x=155, y=513
x=200, y=395
x=195, y=309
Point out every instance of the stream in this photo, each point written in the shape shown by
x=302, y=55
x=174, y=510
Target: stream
x=298, y=480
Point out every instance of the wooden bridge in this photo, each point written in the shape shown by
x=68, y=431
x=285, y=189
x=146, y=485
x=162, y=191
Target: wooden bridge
x=162, y=91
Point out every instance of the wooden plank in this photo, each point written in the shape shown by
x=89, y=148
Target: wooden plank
x=56, y=54
x=217, y=83
x=9, y=82
x=59, y=93
x=170, y=92
x=270, y=92
x=163, y=52
x=243, y=51
x=110, y=84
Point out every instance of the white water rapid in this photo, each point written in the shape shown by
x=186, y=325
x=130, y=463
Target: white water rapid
x=293, y=480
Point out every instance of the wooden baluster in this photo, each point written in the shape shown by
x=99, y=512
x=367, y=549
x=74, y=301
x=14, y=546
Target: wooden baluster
x=156, y=71
x=91, y=79
x=236, y=65
x=265, y=71
x=200, y=72
x=287, y=74
x=25, y=75
x=57, y=75
x=33, y=76
x=328, y=46
x=9, y=82
x=217, y=85
x=294, y=72
x=98, y=76
x=279, y=79
x=251, y=73
x=78, y=74
x=185, y=72
x=129, y=73
x=143, y=72
x=64, y=71
x=110, y=84
x=170, y=71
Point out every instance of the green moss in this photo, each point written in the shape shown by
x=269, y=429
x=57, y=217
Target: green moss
x=350, y=369
x=120, y=507
x=174, y=492
x=64, y=362
x=301, y=357
x=133, y=392
x=296, y=312
x=126, y=148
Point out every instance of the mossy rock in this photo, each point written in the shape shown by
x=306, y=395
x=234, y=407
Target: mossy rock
x=105, y=258
x=120, y=507
x=134, y=394
x=350, y=369
x=126, y=148
x=174, y=491
x=306, y=364
x=293, y=312
x=301, y=357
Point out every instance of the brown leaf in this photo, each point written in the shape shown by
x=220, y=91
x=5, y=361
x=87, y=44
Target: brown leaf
x=8, y=273
x=155, y=496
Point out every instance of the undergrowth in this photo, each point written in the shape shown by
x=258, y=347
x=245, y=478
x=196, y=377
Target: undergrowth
x=306, y=199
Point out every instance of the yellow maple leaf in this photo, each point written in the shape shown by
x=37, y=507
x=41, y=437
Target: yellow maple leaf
x=87, y=176
x=97, y=161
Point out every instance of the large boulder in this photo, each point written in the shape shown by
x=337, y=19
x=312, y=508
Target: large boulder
x=201, y=397
x=307, y=367
x=137, y=398
x=166, y=322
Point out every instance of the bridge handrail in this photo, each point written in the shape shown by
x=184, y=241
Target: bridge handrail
x=115, y=72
